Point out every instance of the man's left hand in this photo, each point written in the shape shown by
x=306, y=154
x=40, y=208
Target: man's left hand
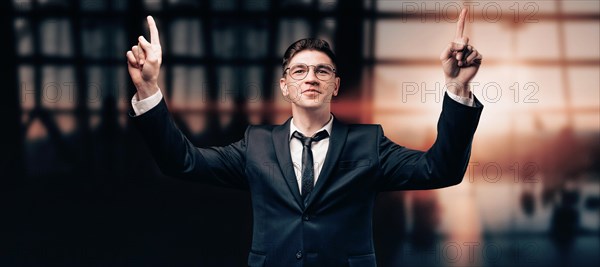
x=460, y=61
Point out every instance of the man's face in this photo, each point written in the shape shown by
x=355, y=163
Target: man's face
x=316, y=89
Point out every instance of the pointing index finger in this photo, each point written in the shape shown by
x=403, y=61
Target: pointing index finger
x=153, y=31
x=460, y=25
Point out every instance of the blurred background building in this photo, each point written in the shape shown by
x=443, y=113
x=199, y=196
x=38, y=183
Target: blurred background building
x=79, y=188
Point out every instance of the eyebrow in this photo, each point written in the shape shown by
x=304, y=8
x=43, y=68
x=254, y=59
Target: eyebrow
x=292, y=64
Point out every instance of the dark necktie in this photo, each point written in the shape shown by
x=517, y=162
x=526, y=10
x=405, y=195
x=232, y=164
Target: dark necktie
x=308, y=171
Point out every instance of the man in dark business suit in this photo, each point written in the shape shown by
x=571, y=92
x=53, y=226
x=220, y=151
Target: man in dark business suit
x=313, y=180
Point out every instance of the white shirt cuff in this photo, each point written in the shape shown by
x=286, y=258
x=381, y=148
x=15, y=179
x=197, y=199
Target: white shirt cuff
x=467, y=101
x=142, y=106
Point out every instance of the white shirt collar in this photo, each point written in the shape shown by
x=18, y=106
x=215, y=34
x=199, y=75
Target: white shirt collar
x=327, y=127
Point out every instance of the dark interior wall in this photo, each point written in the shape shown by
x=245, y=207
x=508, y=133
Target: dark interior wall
x=11, y=161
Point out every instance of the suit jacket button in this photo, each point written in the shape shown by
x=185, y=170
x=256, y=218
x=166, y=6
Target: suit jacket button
x=299, y=254
x=306, y=217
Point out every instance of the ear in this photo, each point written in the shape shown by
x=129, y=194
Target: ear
x=337, y=86
x=283, y=87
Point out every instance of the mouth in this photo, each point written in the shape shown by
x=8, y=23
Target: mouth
x=311, y=91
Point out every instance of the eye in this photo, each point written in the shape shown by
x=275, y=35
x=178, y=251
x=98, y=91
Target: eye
x=323, y=70
x=299, y=71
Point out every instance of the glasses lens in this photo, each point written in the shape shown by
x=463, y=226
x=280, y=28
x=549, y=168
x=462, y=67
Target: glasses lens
x=324, y=72
x=298, y=71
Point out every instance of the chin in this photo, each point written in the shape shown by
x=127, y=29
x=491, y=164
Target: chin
x=310, y=104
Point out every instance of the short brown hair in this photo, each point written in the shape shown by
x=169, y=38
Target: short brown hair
x=307, y=44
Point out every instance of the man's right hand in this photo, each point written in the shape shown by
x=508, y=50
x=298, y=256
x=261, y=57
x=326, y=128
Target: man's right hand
x=143, y=62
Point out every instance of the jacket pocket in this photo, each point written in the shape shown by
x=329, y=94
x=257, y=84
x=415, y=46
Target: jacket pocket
x=367, y=260
x=349, y=164
x=256, y=260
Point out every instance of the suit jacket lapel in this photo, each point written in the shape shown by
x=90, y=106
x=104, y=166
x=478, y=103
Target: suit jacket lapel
x=281, y=140
x=337, y=140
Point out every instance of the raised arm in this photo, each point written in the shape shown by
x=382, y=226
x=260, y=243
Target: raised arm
x=174, y=153
x=445, y=163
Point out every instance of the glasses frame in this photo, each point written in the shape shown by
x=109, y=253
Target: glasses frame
x=314, y=67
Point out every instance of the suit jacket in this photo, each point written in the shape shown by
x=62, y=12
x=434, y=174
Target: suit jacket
x=334, y=226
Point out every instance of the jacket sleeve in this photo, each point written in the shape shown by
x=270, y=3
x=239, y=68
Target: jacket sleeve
x=176, y=156
x=444, y=164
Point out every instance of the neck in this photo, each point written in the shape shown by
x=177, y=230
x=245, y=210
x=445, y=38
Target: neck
x=309, y=121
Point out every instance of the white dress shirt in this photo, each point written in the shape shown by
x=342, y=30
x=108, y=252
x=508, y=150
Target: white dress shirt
x=141, y=106
x=319, y=149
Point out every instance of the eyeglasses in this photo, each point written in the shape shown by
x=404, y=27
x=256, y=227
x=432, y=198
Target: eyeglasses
x=299, y=71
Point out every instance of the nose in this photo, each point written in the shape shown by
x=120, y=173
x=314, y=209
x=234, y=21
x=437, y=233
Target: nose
x=311, y=76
